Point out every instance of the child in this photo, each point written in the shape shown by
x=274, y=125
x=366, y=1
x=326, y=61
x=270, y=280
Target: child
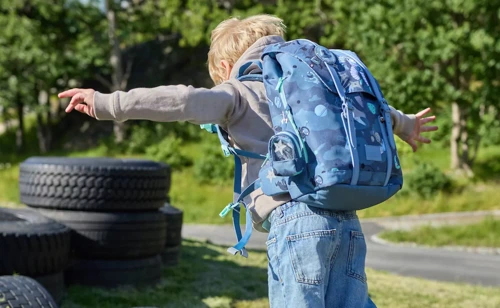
x=316, y=256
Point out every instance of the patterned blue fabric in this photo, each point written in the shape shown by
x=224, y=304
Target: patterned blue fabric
x=332, y=141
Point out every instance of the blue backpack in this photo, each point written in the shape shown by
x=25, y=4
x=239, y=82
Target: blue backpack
x=333, y=145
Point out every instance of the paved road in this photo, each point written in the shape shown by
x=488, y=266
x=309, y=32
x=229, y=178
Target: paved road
x=432, y=263
x=429, y=263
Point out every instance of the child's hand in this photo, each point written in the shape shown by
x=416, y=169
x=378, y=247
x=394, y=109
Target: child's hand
x=82, y=100
x=421, y=127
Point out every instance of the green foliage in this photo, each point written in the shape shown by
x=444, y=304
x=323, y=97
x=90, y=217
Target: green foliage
x=140, y=138
x=490, y=130
x=404, y=149
x=487, y=165
x=426, y=180
x=184, y=130
x=168, y=151
x=424, y=53
x=213, y=167
x=146, y=133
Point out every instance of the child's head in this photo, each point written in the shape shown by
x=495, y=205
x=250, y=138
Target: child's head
x=232, y=37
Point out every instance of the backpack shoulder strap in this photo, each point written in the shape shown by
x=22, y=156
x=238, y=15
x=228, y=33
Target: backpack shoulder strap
x=249, y=77
x=235, y=206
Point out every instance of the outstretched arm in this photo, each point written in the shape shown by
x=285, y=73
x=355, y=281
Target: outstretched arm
x=163, y=104
x=410, y=127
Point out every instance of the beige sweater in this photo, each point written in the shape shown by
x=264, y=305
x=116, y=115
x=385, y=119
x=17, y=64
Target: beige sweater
x=240, y=108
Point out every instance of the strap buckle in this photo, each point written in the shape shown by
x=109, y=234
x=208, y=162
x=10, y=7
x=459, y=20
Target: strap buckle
x=228, y=208
x=209, y=128
x=243, y=252
x=225, y=150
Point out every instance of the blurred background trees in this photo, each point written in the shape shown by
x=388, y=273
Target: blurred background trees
x=443, y=54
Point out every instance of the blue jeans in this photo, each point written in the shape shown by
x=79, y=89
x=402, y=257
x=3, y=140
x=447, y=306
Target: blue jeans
x=316, y=258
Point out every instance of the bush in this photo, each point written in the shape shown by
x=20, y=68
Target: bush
x=168, y=151
x=140, y=138
x=404, y=149
x=144, y=134
x=426, y=180
x=490, y=129
x=213, y=167
x=184, y=130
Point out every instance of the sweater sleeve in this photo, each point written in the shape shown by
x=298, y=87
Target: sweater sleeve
x=169, y=104
x=403, y=124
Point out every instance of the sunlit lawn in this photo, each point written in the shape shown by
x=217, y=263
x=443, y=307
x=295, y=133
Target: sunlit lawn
x=483, y=234
x=209, y=277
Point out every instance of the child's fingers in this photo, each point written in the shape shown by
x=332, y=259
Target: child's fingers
x=428, y=128
x=83, y=108
x=428, y=119
x=75, y=100
x=69, y=93
x=423, y=112
x=423, y=139
x=413, y=144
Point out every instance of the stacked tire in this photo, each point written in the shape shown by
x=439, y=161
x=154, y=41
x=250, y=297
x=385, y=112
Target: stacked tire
x=34, y=246
x=112, y=208
x=173, y=216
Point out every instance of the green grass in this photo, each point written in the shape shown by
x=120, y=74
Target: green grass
x=9, y=186
x=209, y=277
x=483, y=234
x=472, y=198
x=486, y=165
x=392, y=291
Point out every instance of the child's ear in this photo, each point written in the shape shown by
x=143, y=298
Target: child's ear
x=227, y=69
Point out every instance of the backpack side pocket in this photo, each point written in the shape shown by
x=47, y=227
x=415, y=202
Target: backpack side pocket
x=285, y=154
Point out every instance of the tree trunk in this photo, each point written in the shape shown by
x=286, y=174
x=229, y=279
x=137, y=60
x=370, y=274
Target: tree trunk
x=459, y=144
x=60, y=109
x=40, y=129
x=115, y=60
x=49, y=129
x=43, y=131
x=455, y=136
x=20, y=122
x=3, y=115
x=465, y=157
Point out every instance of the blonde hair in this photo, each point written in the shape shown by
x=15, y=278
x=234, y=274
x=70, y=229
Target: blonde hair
x=232, y=37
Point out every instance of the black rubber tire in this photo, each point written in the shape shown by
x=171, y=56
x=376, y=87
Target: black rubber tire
x=54, y=284
x=173, y=217
x=171, y=255
x=115, y=273
x=97, y=235
x=31, y=244
x=24, y=292
x=93, y=184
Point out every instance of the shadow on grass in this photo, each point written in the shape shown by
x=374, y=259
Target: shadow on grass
x=207, y=276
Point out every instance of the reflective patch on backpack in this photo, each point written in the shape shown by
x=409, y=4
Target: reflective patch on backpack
x=373, y=152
